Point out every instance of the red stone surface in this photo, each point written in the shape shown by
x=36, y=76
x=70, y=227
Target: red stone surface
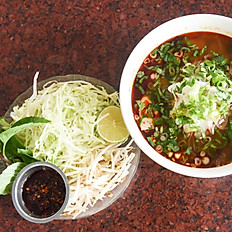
x=95, y=38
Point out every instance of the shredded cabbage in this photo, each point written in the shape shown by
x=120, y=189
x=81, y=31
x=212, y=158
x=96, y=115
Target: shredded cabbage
x=92, y=165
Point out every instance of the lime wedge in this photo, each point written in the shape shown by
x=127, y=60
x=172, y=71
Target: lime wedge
x=111, y=126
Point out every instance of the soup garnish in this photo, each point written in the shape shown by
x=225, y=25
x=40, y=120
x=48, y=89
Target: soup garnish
x=182, y=99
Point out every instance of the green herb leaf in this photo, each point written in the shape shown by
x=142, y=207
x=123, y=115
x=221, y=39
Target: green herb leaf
x=8, y=176
x=173, y=145
x=15, y=151
x=229, y=131
x=203, y=50
x=140, y=88
x=188, y=151
x=149, y=139
x=27, y=120
x=157, y=69
x=20, y=125
x=141, y=77
x=141, y=104
x=140, y=74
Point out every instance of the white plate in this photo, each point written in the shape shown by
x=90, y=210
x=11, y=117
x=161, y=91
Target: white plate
x=101, y=204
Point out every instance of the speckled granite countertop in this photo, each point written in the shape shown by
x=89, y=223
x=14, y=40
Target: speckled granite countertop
x=94, y=38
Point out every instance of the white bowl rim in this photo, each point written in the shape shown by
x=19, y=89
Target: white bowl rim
x=199, y=22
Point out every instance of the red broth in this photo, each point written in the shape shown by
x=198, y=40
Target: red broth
x=178, y=136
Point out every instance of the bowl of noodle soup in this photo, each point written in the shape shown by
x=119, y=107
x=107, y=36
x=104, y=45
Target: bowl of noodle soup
x=175, y=95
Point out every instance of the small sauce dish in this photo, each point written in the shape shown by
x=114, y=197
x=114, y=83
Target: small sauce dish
x=40, y=192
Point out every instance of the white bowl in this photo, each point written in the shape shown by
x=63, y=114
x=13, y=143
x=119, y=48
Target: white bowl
x=168, y=30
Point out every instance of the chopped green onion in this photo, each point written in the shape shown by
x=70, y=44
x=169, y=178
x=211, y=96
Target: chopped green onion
x=151, y=141
x=140, y=88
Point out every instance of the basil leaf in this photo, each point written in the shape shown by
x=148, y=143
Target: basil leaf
x=12, y=151
x=26, y=155
x=8, y=176
x=20, y=125
x=27, y=120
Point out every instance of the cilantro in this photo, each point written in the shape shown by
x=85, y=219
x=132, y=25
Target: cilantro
x=220, y=60
x=141, y=104
x=158, y=122
x=203, y=50
x=182, y=120
x=140, y=74
x=188, y=151
x=196, y=53
x=173, y=145
x=229, y=131
x=157, y=69
x=150, y=110
x=154, y=52
x=192, y=46
x=143, y=79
